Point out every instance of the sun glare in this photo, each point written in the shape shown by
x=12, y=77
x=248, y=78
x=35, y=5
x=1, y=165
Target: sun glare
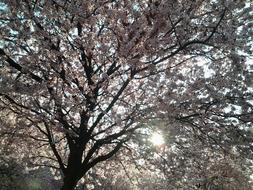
x=157, y=139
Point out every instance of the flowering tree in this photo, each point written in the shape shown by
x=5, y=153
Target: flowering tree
x=80, y=76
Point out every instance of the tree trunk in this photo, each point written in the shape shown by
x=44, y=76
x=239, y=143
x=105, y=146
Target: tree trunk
x=73, y=172
x=69, y=183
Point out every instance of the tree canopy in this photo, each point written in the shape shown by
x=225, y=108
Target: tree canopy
x=83, y=82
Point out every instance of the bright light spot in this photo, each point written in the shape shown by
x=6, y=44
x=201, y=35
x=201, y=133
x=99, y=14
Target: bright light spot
x=157, y=139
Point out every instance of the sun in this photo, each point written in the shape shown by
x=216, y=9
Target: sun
x=157, y=139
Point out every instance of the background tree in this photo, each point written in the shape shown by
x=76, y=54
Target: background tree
x=81, y=76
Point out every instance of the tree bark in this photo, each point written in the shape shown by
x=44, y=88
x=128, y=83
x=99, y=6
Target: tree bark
x=69, y=183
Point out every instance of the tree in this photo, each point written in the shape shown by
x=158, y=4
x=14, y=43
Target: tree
x=183, y=161
x=190, y=161
x=81, y=76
